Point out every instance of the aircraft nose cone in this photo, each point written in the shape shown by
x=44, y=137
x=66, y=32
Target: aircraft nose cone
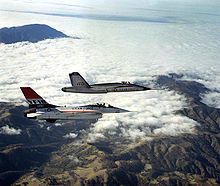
x=123, y=110
x=63, y=89
x=146, y=88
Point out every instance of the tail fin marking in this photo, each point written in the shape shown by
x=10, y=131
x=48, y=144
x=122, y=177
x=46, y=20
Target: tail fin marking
x=29, y=93
x=78, y=81
x=34, y=100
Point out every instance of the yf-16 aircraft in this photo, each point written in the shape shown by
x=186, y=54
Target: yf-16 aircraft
x=79, y=85
x=41, y=110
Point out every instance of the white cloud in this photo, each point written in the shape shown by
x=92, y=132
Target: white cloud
x=153, y=115
x=48, y=128
x=41, y=125
x=9, y=130
x=70, y=135
x=111, y=51
x=175, y=125
x=74, y=159
x=212, y=99
x=211, y=81
x=58, y=124
x=92, y=137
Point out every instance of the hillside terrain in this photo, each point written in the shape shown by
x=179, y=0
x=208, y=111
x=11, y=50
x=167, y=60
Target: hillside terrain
x=43, y=156
x=25, y=152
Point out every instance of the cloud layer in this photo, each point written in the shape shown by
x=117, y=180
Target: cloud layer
x=152, y=114
x=9, y=130
x=112, y=51
x=70, y=135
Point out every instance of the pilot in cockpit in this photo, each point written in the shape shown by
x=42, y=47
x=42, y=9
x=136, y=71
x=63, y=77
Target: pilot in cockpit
x=125, y=82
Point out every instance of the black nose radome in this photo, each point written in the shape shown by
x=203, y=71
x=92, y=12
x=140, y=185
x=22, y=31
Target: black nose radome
x=146, y=88
x=63, y=89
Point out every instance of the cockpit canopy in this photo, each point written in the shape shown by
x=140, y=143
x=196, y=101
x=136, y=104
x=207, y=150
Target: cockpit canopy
x=125, y=83
x=103, y=105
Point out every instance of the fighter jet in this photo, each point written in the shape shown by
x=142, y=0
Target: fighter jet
x=41, y=110
x=79, y=85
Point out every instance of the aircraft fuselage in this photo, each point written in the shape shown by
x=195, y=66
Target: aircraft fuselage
x=105, y=88
x=42, y=110
x=68, y=113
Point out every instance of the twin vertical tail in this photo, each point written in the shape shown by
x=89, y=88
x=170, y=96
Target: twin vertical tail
x=33, y=99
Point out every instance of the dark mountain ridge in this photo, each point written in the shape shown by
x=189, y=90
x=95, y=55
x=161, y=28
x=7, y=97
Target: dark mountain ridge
x=32, y=33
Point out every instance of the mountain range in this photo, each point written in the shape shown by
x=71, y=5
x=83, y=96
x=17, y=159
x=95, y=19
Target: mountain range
x=32, y=33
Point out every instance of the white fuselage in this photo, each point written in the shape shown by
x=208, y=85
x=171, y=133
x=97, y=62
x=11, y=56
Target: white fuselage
x=69, y=113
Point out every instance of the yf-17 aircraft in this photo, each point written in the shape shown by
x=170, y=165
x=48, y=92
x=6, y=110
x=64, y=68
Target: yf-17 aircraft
x=79, y=85
x=41, y=110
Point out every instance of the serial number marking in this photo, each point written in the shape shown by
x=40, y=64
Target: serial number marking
x=80, y=83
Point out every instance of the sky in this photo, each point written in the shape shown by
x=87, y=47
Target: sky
x=121, y=40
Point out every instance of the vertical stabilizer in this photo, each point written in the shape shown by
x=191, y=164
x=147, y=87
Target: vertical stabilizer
x=78, y=81
x=34, y=100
